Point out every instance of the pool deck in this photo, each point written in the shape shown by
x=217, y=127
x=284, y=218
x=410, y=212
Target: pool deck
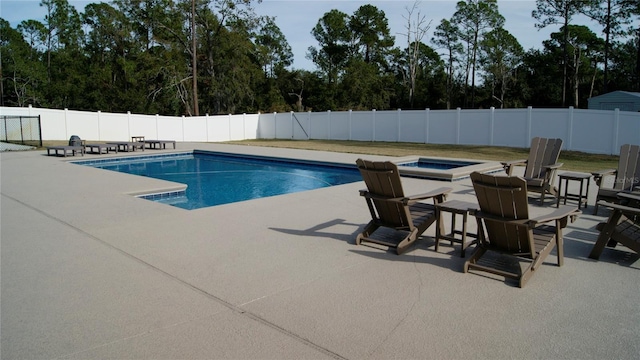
x=91, y=272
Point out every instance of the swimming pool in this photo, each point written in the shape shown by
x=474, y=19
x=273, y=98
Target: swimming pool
x=221, y=178
x=444, y=169
x=440, y=164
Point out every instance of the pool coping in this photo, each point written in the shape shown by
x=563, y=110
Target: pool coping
x=174, y=189
x=454, y=174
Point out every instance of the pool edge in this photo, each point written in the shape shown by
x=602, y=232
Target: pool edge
x=446, y=175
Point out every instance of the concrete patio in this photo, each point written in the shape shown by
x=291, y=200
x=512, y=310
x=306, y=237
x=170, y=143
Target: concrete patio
x=90, y=272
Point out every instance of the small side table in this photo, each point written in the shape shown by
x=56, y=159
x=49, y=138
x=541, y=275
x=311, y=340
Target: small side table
x=137, y=139
x=574, y=176
x=455, y=207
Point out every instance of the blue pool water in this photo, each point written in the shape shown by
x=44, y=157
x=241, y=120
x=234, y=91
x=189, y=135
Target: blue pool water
x=216, y=179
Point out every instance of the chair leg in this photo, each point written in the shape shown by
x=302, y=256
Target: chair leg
x=368, y=230
x=404, y=244
x=526, y=275
x=477, y=254
x=559, y=242
x=605, y=235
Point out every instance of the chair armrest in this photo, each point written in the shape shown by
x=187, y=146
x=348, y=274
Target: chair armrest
x=481, y=215
x=443, y=191
x=633, y=196
x=508, y=165
x=554, y=166
x=623, y=208
x=399, y=200
x=556, y=214
x=369, y=195
x=600, y=174
x=439, y=193
x=522, y=162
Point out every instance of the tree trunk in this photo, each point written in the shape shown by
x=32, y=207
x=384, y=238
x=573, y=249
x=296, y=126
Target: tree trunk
x=607, y=44
x=565, y=55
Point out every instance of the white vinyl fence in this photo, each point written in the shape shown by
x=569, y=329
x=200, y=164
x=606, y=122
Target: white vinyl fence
x=591, y=131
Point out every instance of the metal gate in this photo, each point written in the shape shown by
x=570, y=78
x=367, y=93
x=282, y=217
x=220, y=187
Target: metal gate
x=24, y=130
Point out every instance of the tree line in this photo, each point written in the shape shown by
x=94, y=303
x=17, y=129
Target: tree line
x=190, y=57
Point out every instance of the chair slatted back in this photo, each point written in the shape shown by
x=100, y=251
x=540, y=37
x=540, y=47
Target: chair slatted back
x=628, y=174
x=506, y=199
x=383, y=181
x=543, y=152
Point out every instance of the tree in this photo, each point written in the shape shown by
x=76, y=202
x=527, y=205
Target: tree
x=334, y=37
x=416, y=30
x=363, y=87
x=108, y=47
x=230, y=73
x=474, y=19
x=446, y=37
x=371, y=38
x=561, y=12
x=22, y=74
x=584, y=48
x=501, y=55
x=612, y=15
x=633, y=7
x=624, y=72
x=35, y=33
x=540, y=70
x=366, y=78
x=273, y=51
x=430, y=89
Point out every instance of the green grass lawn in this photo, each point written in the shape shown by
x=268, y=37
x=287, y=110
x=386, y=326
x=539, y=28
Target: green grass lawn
x=572, y=160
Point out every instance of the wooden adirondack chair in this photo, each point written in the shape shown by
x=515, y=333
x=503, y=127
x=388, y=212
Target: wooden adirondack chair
x=390, y=208
x=627, y=176
x=541, y=166
x=505, y=227
x=623, y=225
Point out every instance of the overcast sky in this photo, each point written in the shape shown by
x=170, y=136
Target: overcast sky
x=296, y=18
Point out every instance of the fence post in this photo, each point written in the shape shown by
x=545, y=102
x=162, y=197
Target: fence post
x=206, y=126
x=492, y=124
x=615, y=148
x=291, y=120
x=128, y=125
x=157, y=129
x=275, y=125
x=350, y=125
x=328, y=124
x=373, y=123
x=570, y=129
x=399, y=127
x=426, y=125
x=529, y=120
x=244, y=126
x=309, y=124
x=99, y=125
x=66, y=120
x=182, y=122
x=458, y=114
